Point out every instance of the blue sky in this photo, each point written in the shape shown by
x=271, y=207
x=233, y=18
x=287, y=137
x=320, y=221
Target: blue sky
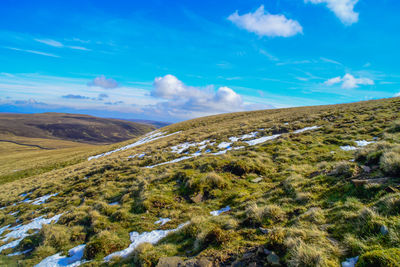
x=175, y=60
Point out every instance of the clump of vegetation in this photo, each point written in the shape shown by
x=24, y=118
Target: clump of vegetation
x=380, y=258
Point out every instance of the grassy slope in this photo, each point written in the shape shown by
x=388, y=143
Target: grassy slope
x=31, y=144
x=315, y=215
x=72, y=127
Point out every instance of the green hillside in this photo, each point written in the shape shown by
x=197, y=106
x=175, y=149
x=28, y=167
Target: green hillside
x=309, y=186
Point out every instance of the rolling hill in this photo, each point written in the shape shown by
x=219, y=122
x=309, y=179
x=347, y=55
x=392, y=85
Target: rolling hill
x=71, y=127
x=37, y=143
x=309, y=186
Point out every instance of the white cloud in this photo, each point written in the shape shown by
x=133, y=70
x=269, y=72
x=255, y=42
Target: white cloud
x=397, y=95
x=50, y=42
x=265, y=24
x=343, y=9
x=349, y=81
x=190, y=101
x=103, y=82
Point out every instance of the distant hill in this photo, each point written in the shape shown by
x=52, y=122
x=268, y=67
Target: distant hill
x=157, y=124
x=71, y=127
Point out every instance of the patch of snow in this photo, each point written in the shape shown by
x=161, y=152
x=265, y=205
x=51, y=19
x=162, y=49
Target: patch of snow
x=306, y=129
x=162, y=221
x=25, y=194
x=348, y=148
x=20, y=231
x=139, y=156
x=363, y=142
x=171, y=161
x=19, y=253
x=224, y=145
x=152, y=237
x=249, y=135
x=262, y=139
x=234, y=139
x=350, y=262
x=113, y=203
x=14, y=213
x=146, y=139
x=73, y=259
x=42, y=199
x=218, y=212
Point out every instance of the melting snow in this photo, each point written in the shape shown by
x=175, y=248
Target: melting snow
x=73, y=259
x=42, y=199
x=350, y=262
x=348, y=148
x=171, y=161
x=224, y=145
x=359, y=143
x=218, y=212
x=146, y=237
x=162, y=221
x=262, y=139
x=363, y=142
x=19, y=253
x=306, y=129
x=139, y=156
x=148, y=138
x=20, y=231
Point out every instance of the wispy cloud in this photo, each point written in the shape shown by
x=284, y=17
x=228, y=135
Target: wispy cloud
x=330, y=61
x=58, y=44
x=264, y=24
x=32, y=51
x=50, y=42
x=343, y=9
x=75, y=97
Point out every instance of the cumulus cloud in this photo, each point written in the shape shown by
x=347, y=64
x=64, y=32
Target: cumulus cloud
x=75, y=97
x=397, y=95
x=103, y=82
x=265, y=24
x=343, y=9
x=348, y=81
x=182, y=99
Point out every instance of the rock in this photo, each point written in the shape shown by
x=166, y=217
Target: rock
x=261, y=251
x=252, y=264
x=257, y=180
x=273, y=259
x=366, y=169
x=384, y=230
x=238, y=263
x=169, y=262
x=247, y=256
x=267, y=251
x=198, y=198
x=202, y=262
x=264, y=230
